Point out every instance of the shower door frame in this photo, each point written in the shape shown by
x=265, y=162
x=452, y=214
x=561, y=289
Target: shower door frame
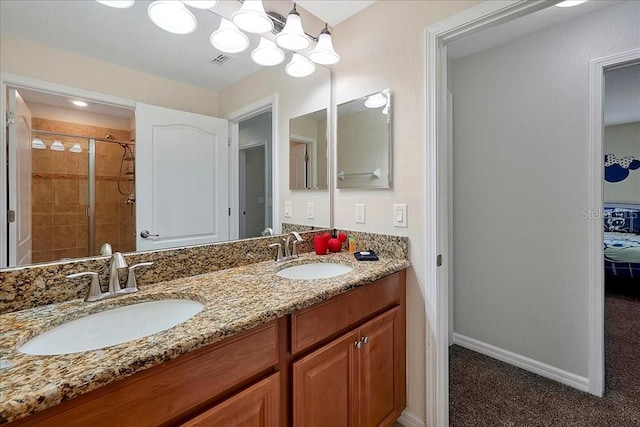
x=22, y=82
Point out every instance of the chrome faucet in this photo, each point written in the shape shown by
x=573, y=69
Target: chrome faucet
x=288, y=254
x=116, y=263
x=294, y=251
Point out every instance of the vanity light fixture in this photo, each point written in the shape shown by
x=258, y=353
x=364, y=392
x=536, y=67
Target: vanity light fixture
x=76, y=148
x=267, y=53
x=324, y=53
x=172, y=16
x=118, y=4
x=57, y=146
x=228, y=38
x=570, y=3
x=292, y=36
x=252, y=18
x=300, y=66
x=37, y=144
x=79, y=103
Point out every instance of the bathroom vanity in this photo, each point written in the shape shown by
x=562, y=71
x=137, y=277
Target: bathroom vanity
x=264, y=351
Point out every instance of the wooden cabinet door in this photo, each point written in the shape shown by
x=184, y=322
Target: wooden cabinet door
x=256, y=406
x=381, y=372
x=325, y=385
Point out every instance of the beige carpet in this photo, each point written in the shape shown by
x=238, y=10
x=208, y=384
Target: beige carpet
x=486, y=392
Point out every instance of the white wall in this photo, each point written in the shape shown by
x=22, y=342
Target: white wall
x=622, y=141
x=383, y=47
x=30, y=59
x=521, y=168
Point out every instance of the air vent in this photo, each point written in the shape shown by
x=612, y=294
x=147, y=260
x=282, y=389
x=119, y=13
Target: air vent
x=220, y=59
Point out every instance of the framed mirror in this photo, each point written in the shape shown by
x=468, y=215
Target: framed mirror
x=209, y=83
x=308, y=151
x=364, y=142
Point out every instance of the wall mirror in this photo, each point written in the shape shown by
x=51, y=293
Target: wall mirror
x=308, y=151
x=364, y=142
x=51, y=29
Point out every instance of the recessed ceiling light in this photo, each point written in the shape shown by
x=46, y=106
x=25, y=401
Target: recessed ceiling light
x=79, y=103
x=570, y=3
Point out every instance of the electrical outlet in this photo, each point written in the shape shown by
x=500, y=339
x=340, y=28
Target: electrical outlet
x=360, y=213
x=399, y=215
x=311, y=210
x=287, y=209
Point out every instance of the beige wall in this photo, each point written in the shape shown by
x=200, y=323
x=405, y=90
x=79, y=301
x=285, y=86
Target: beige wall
x=622, y=141
x=29, y=59
x=383, y=47
x=296, y=97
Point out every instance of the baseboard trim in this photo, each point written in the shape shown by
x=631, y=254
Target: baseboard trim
x=409, y=419
x=542, y=369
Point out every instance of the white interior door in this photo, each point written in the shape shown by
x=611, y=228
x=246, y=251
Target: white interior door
x=182, y=178
x=19, y=179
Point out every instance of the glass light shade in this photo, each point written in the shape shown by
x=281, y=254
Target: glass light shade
x=227, y=38
x=76, y=148
x=324, y=53
x=300, y=66
x=37, y=144
x=267, y=53
x=252, y=18
x=57, y=146
x=118, y=4
x=200, y=4
x=570, y=3
x=292, y=36
x=375, y=101
x=172, y=16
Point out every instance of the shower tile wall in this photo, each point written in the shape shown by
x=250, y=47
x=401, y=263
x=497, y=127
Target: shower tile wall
x=60, y=194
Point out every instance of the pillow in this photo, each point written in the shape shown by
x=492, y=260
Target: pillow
x=622, y=220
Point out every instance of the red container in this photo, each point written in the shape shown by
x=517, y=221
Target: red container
x=321, y=243
x=335, y=245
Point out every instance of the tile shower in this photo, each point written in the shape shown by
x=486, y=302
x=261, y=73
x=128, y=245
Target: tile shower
x=61, y=191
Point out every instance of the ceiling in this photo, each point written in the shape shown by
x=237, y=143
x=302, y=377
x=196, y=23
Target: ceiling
x=127, y=37
x=334, y=12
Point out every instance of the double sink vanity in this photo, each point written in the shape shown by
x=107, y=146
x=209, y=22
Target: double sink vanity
x=315, y=341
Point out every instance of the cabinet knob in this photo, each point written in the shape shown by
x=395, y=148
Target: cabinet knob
x=358, y=344
x=364, y=340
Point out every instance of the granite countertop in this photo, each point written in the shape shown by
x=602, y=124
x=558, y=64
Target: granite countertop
x=235, y=300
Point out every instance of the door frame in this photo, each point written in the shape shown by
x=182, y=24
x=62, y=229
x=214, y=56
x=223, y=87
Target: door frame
x=436, y=183
x=313, y=142
x=269, y=103
x=597, y=68
x=18, y=81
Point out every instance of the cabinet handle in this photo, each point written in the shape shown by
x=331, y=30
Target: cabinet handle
x=358, y=344
x=364, y=340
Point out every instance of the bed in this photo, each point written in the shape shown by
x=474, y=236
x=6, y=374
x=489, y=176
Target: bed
x=622, y=240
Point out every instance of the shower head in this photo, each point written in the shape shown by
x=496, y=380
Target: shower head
x=129, y=158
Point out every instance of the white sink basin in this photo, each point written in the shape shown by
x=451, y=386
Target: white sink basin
x=112, y=327
x=319, y=270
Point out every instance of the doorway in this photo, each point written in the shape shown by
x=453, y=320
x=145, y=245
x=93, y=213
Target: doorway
x=439, y=221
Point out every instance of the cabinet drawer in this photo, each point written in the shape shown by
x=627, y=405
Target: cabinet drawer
x=319, y=322
x=256, y=406
x=158, y=395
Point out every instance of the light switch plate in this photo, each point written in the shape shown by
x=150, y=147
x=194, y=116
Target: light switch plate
x=287, y=209
x=399, y=215
x=311, y=210
x=360, y=213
